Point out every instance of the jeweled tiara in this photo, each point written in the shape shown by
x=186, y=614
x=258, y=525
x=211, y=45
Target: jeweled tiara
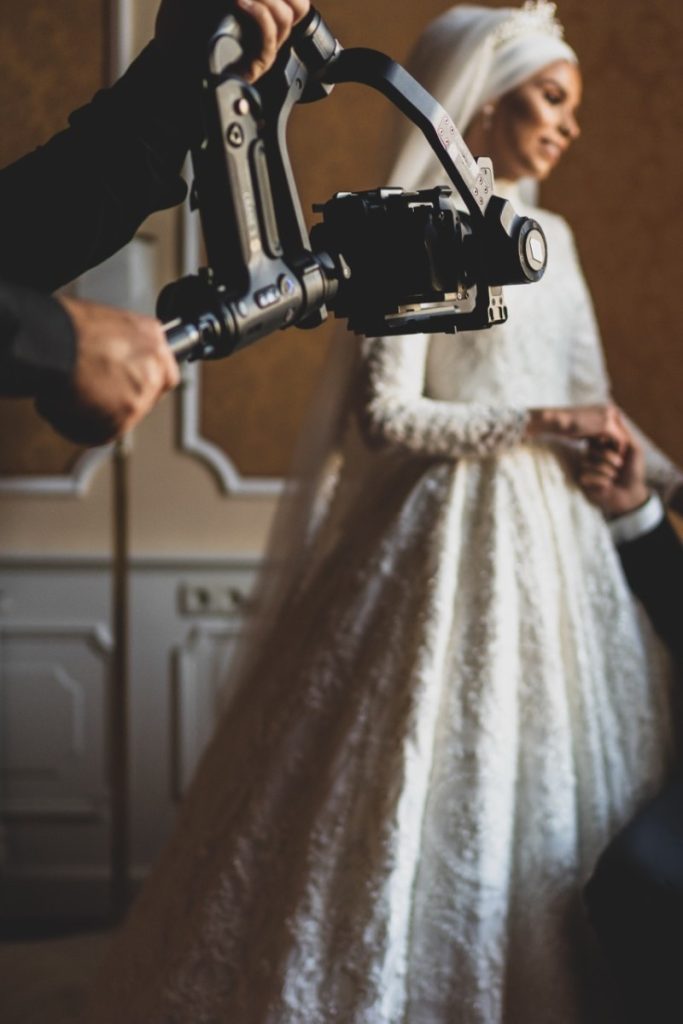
x=535, y=16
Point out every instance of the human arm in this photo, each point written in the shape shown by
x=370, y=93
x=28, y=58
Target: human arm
x=28, y=319
x=394, y=411
x=122, y=366
x=79, y=198
x=653, y=565
x=71, y=203
x=94, y=371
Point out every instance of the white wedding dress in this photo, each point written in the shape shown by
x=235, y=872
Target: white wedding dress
x=449, y=719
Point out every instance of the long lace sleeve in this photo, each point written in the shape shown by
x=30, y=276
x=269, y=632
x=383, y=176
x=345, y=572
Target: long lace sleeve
x=395, y=411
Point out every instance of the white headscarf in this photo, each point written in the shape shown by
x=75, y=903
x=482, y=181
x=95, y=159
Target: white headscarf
x=468, y=57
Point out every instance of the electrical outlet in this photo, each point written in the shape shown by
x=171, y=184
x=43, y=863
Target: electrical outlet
x=211, y=599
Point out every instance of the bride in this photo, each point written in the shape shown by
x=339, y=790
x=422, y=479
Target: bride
x=452, y=701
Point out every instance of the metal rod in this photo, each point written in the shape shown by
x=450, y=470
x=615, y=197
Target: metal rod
x=182, y=338
x=119, y=689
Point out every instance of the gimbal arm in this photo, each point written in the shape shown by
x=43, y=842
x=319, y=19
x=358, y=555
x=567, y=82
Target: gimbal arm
x=262, y=274
x=472, y=178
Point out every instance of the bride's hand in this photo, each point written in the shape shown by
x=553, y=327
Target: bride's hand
x=599, y=423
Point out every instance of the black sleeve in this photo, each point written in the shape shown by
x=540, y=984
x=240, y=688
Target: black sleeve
x=653, y=565
x=79, y=198
x=37, y=342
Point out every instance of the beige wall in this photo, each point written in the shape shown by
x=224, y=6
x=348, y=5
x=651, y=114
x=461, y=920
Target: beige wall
x=619, y=187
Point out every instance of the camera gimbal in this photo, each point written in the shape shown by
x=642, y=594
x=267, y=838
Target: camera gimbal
x=392, y=262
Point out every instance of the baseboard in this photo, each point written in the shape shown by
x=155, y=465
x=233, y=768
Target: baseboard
x=56, y=903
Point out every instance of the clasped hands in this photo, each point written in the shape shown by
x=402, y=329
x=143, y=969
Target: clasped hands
x=611, y=466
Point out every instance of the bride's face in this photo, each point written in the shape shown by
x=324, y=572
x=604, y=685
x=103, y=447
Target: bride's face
x=532, y=126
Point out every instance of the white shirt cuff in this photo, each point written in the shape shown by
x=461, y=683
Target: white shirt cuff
x=641, y=520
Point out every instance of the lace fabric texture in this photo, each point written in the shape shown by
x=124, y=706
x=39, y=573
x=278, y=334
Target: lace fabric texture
x=452, y=714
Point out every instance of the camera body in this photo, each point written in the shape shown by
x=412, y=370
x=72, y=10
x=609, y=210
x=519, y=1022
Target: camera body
x=389, y=261
x=409, y=260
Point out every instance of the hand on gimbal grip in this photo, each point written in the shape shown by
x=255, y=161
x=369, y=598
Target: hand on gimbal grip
x=123, y=366
x=188, y=23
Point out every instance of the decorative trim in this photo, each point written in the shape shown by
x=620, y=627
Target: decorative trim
x=250, y=561
x=192, y=442
x=64, y=810
x=183, y=745
x=190, y=439
x=76, y=483
x=97, y=634
x=54, y=874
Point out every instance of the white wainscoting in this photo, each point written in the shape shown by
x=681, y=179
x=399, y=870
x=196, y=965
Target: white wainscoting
x=186, y=614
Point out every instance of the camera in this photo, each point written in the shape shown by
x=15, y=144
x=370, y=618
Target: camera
x=411, y=262
x=387, y=260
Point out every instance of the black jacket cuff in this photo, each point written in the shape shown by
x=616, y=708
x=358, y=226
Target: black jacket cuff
x=37, y=342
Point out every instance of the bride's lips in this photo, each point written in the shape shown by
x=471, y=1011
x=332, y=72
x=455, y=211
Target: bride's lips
x=551, y=148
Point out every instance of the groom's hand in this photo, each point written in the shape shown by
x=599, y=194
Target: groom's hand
x=616, y=484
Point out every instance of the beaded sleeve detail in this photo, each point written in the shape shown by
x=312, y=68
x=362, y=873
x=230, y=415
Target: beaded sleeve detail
x=394, y=410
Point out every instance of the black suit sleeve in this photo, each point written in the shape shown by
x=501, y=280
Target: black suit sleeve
x=37, y=342
x=78, y=199
x=653, y=565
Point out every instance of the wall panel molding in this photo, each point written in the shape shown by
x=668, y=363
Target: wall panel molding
x=196, y=696
x=219, y=462
x=53, y=685
x=76, y=483
x=190, y=439
x=95, y=634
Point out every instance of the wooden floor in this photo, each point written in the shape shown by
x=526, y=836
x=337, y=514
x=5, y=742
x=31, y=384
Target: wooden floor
x=44, y=982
